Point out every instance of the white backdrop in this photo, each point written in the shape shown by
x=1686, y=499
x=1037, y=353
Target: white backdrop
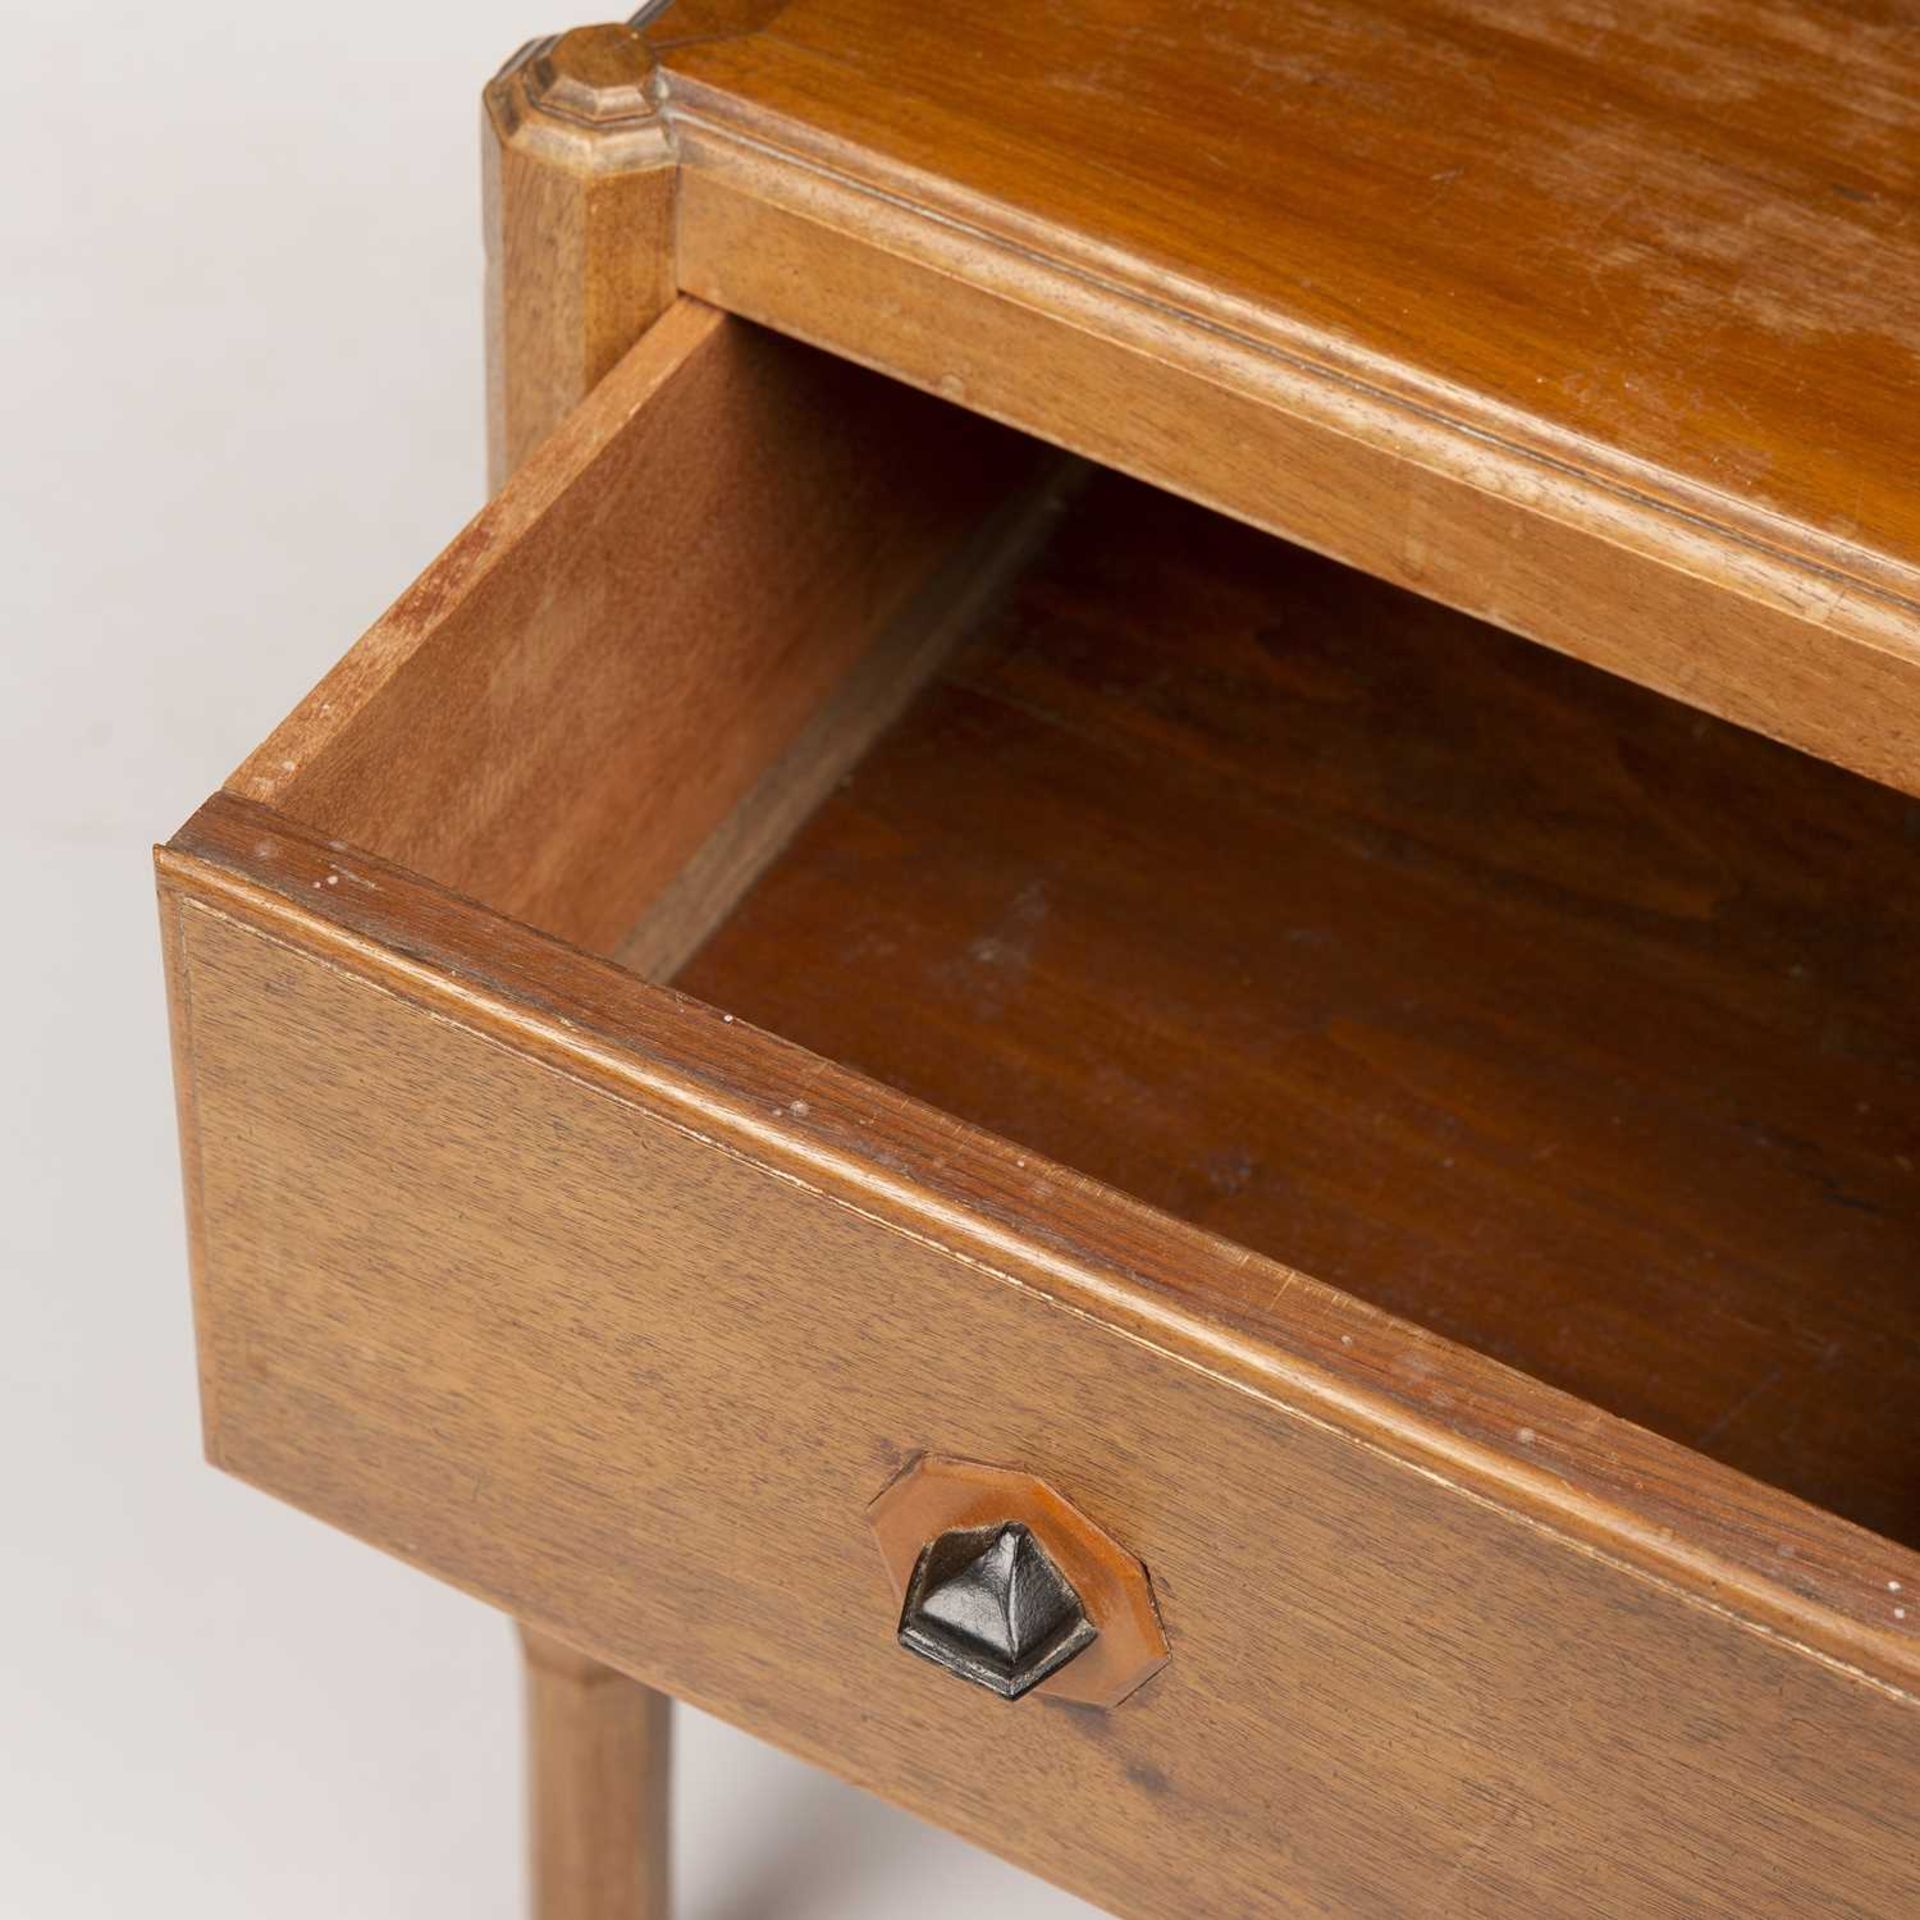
x=240, y=319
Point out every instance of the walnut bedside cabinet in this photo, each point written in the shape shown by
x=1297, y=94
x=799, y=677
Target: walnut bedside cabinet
x=1115, y=1009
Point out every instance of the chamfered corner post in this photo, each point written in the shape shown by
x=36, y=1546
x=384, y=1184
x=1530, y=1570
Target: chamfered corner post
x=578, y=177
x=579, y=190
x=599, y=1750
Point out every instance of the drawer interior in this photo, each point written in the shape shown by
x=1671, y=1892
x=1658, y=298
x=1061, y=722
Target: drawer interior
x=1513, y=998
x=1551, y=1014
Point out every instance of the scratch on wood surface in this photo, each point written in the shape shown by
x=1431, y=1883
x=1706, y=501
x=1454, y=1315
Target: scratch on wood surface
x=1506, y=1813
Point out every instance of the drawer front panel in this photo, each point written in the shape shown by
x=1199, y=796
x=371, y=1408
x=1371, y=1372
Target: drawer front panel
x=473, y=1286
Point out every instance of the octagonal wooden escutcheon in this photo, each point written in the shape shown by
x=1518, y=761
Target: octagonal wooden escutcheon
x=1009, y=1513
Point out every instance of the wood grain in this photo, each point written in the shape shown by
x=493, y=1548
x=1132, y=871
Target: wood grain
x=577, y=203
x=1540, y=1454
x=600, y=1774
x=619, y=1315
x=681, y=23
x=579, y=181
x=1595, y=323
x=1487, y=300
x=1675, y=238
x=1517, y=1000
x=577, y=693
x=846, y=723
x=577, y=193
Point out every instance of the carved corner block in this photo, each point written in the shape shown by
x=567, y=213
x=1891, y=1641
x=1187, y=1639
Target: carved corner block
x=586, y=99
x=579, y=183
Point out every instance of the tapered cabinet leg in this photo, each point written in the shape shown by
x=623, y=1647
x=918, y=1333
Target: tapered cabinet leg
x=599, y=1756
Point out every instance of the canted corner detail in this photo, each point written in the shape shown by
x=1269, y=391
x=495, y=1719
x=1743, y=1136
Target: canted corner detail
x=590, y=97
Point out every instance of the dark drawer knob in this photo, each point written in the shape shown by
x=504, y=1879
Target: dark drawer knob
x=1001, y=1580
x=989, y=1604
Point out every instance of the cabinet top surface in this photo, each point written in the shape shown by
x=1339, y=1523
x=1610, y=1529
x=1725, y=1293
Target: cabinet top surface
x=1670, y=244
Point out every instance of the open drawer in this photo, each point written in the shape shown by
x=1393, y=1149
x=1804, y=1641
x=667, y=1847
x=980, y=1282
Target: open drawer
x=1414, y=1138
